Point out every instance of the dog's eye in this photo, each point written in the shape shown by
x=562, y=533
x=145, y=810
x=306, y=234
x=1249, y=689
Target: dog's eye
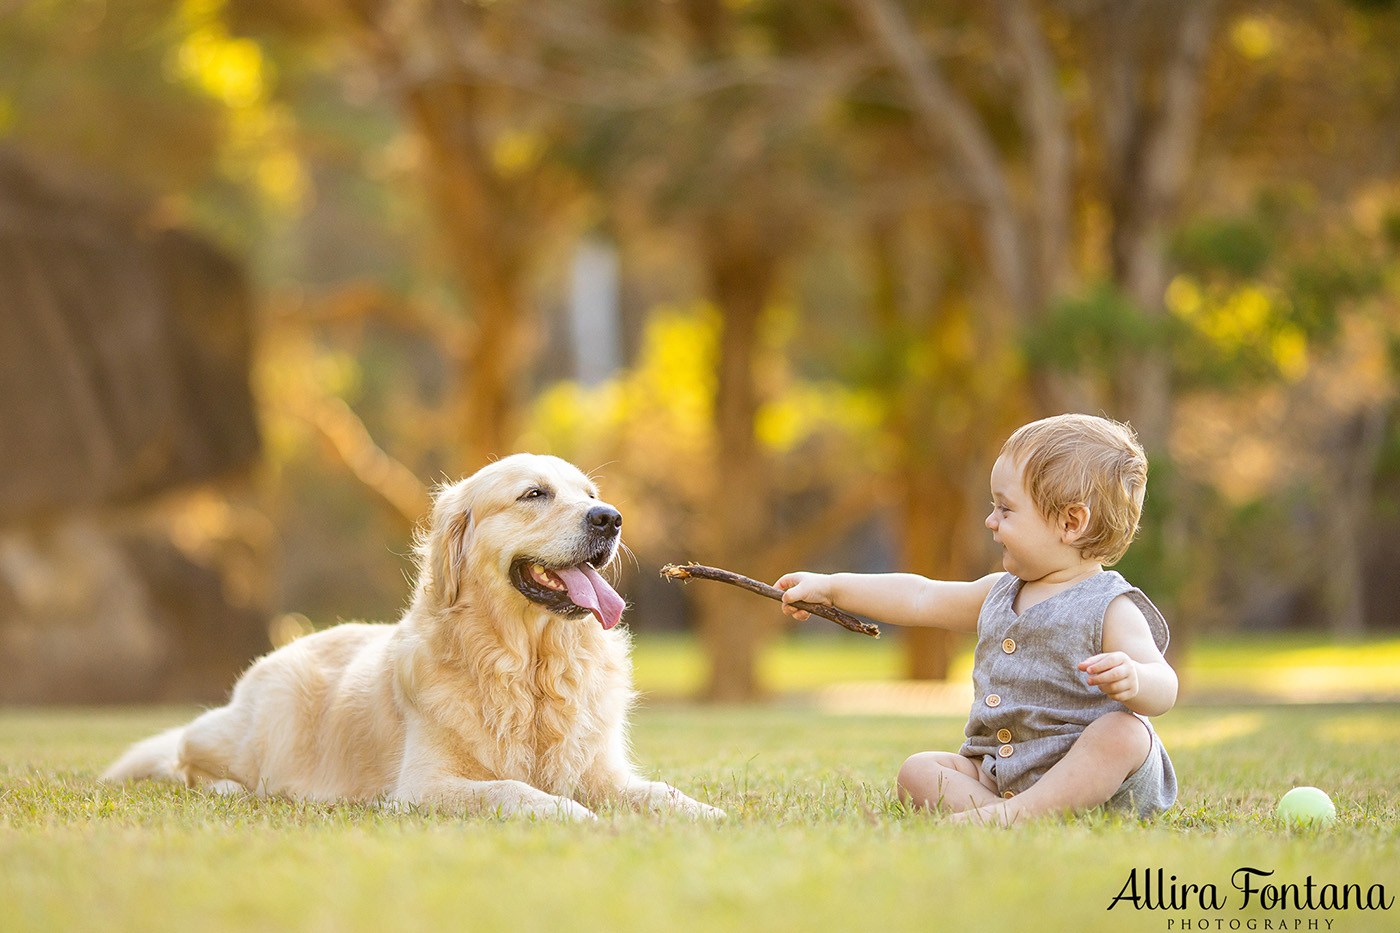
x=534, y=492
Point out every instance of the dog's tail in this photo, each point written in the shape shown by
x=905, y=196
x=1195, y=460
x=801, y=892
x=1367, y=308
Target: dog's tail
x=149, y=758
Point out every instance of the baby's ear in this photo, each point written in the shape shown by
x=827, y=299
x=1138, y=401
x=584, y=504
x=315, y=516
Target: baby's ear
x=1074, y=522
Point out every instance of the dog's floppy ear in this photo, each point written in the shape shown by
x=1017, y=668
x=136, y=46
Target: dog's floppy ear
x=451, y=539
x=443, y=542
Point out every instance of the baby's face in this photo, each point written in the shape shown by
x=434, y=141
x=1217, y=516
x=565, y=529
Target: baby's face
x=1031, y=544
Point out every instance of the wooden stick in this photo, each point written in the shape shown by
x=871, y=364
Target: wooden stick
x=689, y=571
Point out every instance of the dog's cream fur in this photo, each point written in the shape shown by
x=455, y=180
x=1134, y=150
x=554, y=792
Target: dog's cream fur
x=478, y=701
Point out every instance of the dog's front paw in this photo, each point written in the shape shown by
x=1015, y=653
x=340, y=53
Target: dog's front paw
x=712, y=813
x=555, y=808
x=677, y=802
x=660, y=797
x=701, y=811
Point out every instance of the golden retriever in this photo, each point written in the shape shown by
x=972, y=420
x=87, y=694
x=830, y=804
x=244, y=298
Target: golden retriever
x=504, y=688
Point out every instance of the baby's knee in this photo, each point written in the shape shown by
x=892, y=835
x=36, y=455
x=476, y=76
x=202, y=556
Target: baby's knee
x=921, y=776
x=1122, y=735
x=915, y=768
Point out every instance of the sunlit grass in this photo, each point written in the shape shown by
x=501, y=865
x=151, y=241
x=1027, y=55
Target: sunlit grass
x=1301, y=668
x=675, y=665
x=815, y=839
x=1274, y=668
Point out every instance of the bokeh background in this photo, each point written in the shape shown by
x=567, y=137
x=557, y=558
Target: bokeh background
x=783, y=274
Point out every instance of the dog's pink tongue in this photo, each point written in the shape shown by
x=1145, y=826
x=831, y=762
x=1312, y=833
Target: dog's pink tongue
x=593, y=593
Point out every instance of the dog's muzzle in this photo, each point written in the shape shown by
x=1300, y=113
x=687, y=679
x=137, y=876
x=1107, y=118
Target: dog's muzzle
x=572, y=589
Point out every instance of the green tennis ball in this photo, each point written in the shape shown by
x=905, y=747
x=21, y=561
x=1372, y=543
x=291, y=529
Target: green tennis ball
x=1307, y=806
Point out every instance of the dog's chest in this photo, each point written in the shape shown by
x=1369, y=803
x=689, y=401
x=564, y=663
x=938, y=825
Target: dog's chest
x=543, y=705
x=542, y=736
x=535, y=719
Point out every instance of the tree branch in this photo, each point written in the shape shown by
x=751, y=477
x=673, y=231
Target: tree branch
x=1173, y=140
x=701, y=572
x=394, y=483
x=1047, y=128
x=356, y=302
x=1159, y=152
x=945, y=115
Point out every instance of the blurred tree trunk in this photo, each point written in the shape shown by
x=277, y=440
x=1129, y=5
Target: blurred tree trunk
x=495, y=216
x=1151, y=59
x=927, y=530
x=928, y=508
x=478, y=221
x=1026, y=254
x=749, y=204
x=740, y=270
x=1149, y=142
x=1359, y=439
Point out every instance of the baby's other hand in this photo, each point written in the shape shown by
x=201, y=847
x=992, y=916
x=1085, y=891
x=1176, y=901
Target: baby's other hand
x=803, y=587
x=1114, y=673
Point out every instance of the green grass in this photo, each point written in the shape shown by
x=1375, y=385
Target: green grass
x=814, y=839
x=1292, y=668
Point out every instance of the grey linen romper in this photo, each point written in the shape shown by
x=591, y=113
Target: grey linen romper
x=1031, y=701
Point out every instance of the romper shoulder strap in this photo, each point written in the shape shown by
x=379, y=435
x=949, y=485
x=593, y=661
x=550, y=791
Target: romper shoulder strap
x=1156, y=622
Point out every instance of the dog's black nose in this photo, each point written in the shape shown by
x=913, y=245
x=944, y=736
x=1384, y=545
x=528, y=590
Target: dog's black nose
x=605, y=518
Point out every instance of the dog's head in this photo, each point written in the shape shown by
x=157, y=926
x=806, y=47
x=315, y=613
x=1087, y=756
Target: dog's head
x=529, y=523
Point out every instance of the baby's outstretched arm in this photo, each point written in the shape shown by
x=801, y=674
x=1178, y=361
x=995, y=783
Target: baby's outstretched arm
x=896, y=598
x=1130, y=668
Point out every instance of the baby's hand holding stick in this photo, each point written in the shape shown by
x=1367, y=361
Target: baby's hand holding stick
x=691, y=571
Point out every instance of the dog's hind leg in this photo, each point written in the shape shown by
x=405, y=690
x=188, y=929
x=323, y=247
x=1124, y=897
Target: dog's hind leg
x=155, y=757
x=212, y=750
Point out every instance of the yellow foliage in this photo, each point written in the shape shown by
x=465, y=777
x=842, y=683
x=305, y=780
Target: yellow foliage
x=806, y=409
x=1184, y=297
x=515, y=152
x=281, y=179
x=677, y=365
x=1243, y=316
x=1250, y=315
x=227, y=69
x=567, y=412
x=234, y=72
x=293, y=372
x=672, y=388
x=1253, y=37
x=1289, y=350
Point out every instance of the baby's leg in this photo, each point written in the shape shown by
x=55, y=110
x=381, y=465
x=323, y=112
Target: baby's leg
x=1111, y=748
x=945, y=781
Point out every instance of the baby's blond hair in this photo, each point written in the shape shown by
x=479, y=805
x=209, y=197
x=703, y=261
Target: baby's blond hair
x=1070, y=460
